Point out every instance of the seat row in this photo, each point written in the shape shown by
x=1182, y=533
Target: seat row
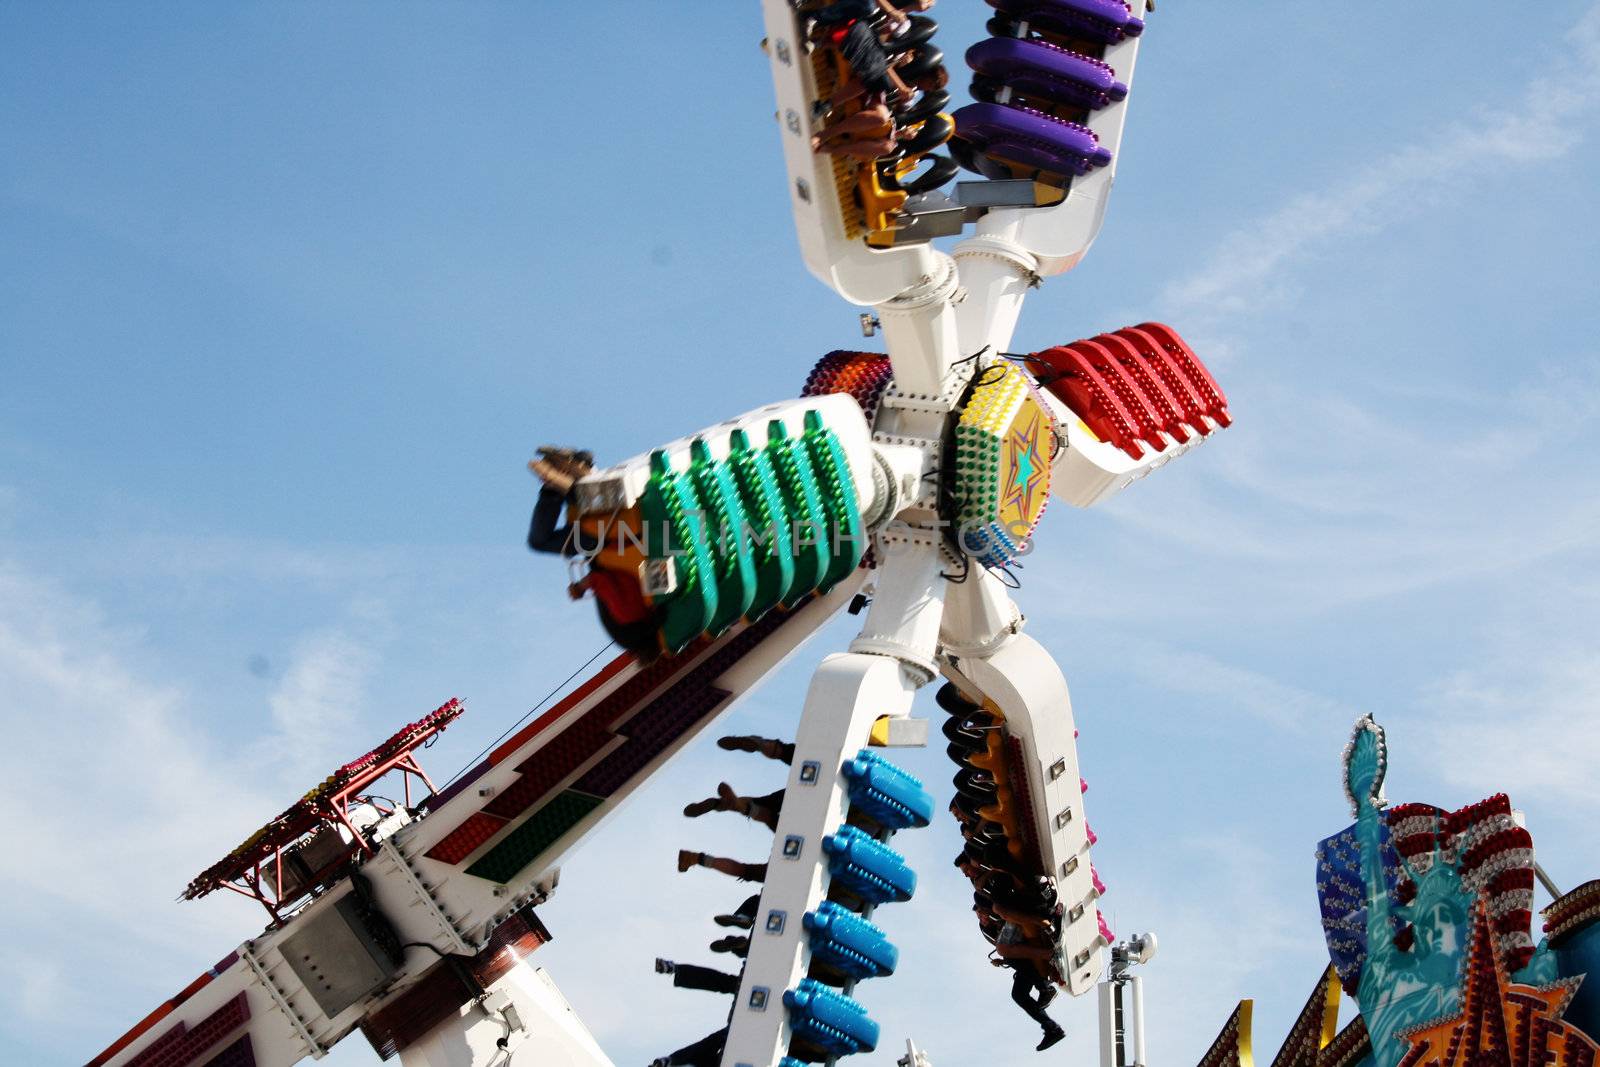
x=1037, y=81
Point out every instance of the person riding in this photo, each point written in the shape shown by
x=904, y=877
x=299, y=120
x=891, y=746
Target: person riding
x=1005, y=902
x=627, y=617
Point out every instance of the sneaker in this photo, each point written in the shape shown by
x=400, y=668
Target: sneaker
x=770, y=747
x=736, y=945
x=665, y=966
x=700, y=807
x=738, y=922
x=573, y=460
x=1052, y=1034
x=553, y=476
x=560, y=467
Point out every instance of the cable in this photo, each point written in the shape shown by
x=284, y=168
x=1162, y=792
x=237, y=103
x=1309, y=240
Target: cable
x=1005, y=576
x=441, y=953
x=473, y=762
x=1054, y=374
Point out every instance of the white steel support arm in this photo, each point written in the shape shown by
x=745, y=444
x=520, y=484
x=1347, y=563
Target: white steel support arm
x=848, y=693
x=1021, y=680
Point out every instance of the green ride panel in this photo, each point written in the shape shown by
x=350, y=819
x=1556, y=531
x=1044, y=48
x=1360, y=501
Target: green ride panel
x=529, y=841
x=726, y=527
x=838, y=491
x=674, y=522
x=769, y=523
x=797, y=479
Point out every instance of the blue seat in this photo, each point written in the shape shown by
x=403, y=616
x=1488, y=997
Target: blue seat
x=891, y=796
x=833, y=1022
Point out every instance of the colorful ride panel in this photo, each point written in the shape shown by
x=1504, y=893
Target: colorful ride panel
x=1005, y=440
x=1036, y=89
x=1140, y=388
x=717, y=530
x=880, y=98
x=1018, y=909
x=863, y=873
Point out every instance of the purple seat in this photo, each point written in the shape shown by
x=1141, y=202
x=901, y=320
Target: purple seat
x=1031, y=138
x=1106, y=21
x=1043, y=70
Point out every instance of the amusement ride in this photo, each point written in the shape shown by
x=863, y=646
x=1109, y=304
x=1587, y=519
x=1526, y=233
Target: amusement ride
x=900, y=487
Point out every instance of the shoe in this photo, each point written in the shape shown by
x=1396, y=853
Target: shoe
x=738, y=922
x=1046, y=995
x=566, y=464
x=661, y=1061
x=700, y=807
x=736, y=945
x=551, y=475
x=1052, y=1034
x=665, y=966
x=727, y=795
x=570, y=458
x=687, y=859
x=769, y=747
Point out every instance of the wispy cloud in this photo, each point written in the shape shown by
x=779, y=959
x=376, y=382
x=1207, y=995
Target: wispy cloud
x=319, y=700
x=1394, y=508
x=1545, y=121
x=1523, y=722
x=112, y=765
x=1230, y=692
x=1230, y=932
x=124, y=787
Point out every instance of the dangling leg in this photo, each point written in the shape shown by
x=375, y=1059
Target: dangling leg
x=770, y=747
x=868, y=124
x=745, y=872
x=1024, y=983
x=763, y=810
x=693, y=976
x=738, y=946
x=559, y=469
x=744, y=916
x=546, y=533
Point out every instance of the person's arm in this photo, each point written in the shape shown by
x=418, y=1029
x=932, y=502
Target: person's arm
x=546, y=533
x=901, y=89
x=895, y=16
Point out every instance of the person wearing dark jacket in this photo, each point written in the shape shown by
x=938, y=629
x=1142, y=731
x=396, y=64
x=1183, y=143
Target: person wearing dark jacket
x=625, y=615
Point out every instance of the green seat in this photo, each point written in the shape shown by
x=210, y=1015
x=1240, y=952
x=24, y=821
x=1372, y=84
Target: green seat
x=809, y=520
x=674, y=527
x=727, y=530
x=847, y=540
x=770, y=525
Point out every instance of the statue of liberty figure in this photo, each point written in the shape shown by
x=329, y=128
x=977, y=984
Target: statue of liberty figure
x=1397, y=891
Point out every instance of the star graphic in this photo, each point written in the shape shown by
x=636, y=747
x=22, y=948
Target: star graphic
x=1028, y=469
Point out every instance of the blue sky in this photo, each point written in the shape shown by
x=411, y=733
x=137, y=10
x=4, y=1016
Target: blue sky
x=289, y=293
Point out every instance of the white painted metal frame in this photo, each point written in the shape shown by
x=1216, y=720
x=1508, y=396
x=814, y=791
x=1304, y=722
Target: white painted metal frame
x=932, y=314
x=860, y=274
x=934, y=310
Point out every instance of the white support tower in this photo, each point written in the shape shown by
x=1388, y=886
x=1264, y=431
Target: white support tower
x=1122, y=1004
